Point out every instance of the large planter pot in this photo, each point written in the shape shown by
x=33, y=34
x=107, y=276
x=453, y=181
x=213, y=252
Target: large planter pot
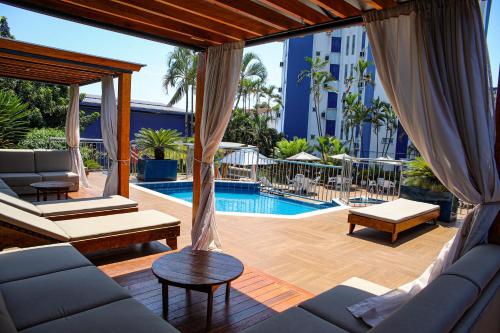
x=156, y=170
x=446, y=201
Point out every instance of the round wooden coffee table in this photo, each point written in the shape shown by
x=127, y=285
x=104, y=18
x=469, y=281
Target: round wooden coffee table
x=47, y=187
x=196, y=270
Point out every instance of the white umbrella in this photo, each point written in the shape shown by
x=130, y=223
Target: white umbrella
x=387, y=160
x=342, y=156
x=246, y=157
x=303, y=156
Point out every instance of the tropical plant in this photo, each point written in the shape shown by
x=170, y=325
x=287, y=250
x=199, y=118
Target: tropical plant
x=328, y=146
x=43, y=138
x=391, y=124
x=91, y=164
x=13, y=119
x=285, y=148
x=377, y=117
x=321, y=80
x=181, y=75
x=252, y=69
x=155, y=143
x=419, y=174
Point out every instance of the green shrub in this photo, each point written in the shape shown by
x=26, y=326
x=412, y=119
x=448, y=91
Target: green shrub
x=13, y=119
x=91, y=164
x=40, y=138
x=285, y=148
x=419, y=174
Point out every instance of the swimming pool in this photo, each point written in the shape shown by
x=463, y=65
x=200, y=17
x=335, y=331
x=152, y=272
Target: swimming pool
x=241, y=197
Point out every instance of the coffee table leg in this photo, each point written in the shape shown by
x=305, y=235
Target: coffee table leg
x=44, y=196
x=66, y=195
x=228, y=290
x=210, y=302
x=164, y=292
x=58, y=195
x=37, y=195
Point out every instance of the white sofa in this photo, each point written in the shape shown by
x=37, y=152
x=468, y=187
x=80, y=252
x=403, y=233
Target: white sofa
x=21, y=167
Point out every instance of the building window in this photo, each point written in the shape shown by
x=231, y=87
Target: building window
x=353, y=44
x=347, y=46
x=332, y=100
x=336, y=44
x=352, y=68
x=335, y=69
x=345, y=72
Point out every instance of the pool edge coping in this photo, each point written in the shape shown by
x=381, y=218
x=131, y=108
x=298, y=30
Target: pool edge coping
x=340, y=206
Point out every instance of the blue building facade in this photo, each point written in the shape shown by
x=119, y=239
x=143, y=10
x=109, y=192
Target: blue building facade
x=142, y=115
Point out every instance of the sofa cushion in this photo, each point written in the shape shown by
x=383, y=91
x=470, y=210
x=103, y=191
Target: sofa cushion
x=63, y=207
x=332, y=307
x=295, y=320
x=6, y=323
x=66, y=176
x=9, y=192
x=17, y=160
x=479, y=265
x=395, y=211
x=52, y=160
x=3, y=185
x=124, y=316
x=21, y=219
x=16, y=179
x=91, y=227
x=51, y=296
x=436, y=309
x=39, y=260
x=18, y=203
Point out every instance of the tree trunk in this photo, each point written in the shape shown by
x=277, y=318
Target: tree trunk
x=186, y=114
x=192, y=110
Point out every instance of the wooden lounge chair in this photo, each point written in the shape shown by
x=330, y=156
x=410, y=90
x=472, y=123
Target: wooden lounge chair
x=19, y=228
x=73, y=208
x=393, y=216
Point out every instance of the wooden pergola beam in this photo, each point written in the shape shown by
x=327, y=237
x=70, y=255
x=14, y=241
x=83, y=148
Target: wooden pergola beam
x=298, y=10
x=381, y=4
x=124, y=91
x=340, y=8
x=200, y=94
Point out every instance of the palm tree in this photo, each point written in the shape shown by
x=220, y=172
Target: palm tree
x=329, y=145
x=320, y=81
x=251, y=68
x=349, y=109
x=377, y=116
x=391, y=124
x=157, y=142
x=181, y=75
x=13, y=119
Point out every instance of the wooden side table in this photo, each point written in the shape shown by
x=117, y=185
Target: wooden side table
x=196, y=270
x=46, y=187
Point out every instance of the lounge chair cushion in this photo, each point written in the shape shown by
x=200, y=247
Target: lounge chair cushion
x=332, y=307
x=51, y=296
x=100, y=226
x=39, y=260
x=480, y=272
x=295, y=320
x=9, y=192
x=52, y=160
x=437, y=308
x=3, y=185
x=21, y=219
x=124, y=316
x=18, y=160
x=64, y=207
x=16, y=179
x=395, y=211
x=21, y=204
x=6, y=323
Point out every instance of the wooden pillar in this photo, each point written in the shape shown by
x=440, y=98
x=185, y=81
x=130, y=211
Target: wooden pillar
x=200, y=90
x=124, y=86
x=495, y=228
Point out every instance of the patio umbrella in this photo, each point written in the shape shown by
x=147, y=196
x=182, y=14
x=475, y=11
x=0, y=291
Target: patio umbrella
x=387, y=160
x=342, y=156
x=245, y=157
x=304, y=157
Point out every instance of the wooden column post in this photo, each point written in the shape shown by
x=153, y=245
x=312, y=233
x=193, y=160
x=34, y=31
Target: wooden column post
x=124, y=85
x=495, y=228
x=200, y=90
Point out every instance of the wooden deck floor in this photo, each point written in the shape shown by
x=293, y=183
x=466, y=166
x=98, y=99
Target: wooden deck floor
x=313, y=253
x=255, y=296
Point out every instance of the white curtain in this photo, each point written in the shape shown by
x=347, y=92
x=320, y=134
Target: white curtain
x=433, y=63
x=109, y=133
x=73, y=134
x=222, y=75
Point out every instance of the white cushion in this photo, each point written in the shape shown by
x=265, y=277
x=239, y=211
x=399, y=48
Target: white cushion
x=72, y=206
x=20, y=204
x=395, y=211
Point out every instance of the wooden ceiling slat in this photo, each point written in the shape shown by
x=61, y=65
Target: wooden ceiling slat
x=188, y=18
x=253, y=9
x=381, y=4
x=48, y=71
x=340, y=8
x=208, y=10
x=151, y=18
x=298, y=9
x=39, y=77
x=52, y=69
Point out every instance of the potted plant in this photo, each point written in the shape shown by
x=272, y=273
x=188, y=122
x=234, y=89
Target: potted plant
x=91, y=165
x=422, y=185
x=154, y=144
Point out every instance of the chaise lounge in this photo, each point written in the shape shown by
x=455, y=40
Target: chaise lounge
x=393, y=216
x=22, y=229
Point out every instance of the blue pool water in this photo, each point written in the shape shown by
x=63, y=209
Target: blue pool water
x=231, y=197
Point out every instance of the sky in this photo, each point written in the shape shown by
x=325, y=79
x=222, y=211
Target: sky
x=147, y=84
